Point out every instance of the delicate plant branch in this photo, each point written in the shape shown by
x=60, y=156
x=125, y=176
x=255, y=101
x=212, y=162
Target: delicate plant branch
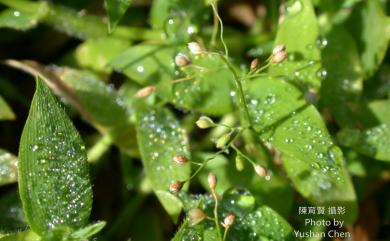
x=216, y=15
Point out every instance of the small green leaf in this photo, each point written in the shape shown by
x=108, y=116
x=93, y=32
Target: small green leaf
x=27, y=14
x=312, y=161
x=299, y=33
x=370, y=28
x=8, y=168
x=53, y=172
x=160, y=138
x=115, y=10
x=6, y=112
x=342, y=86
x=88, y=231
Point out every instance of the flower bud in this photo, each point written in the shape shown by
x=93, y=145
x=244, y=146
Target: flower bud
x=279, y=57
x=180, y=159
x=254, y=64
x=145, y=92
x=260, y=171
x=205, y=122
x=223, y=140
x=278, y=48
x=229, y=220
x=239, y=162
x=195, y=216
x=195, y=48
x=175, y=187
x=212, y=180
x=181, y=60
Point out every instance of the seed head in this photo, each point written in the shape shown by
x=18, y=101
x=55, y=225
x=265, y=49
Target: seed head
x=279, y=57
x=254, y=64
x=175, y=187
x=145, y=92
x=229, y=220
x=260, y=171
x=195, y=48
x=181, y=60
x=195, y=216
x=205, y=122
x=180, y=159
x=212, y=180
x=279, y=48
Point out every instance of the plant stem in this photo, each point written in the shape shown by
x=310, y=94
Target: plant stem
x=242, y=101
x=216, y=220
x=225, y=234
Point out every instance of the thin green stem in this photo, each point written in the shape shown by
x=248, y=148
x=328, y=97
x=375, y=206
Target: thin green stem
x=225, y=233
x=213, y=40
x=215, y=10
x=240, y=90
x=216, y=220
x=243, y=155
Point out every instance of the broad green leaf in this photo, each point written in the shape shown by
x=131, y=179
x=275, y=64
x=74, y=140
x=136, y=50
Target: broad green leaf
x=12, y=216
x=8, y=168
x=115, y=10
x=54, y=181
x=160, y=138
x=22, y=236
x=299, y=32
x=251, y=223
x=88, y=231
x=95, y=54
x=26, y=15
x=373, y=141
x=147, y=64
x=311, y=159
x=342, y=87
x=370, y=28
x=206, y=85
x=6, y=112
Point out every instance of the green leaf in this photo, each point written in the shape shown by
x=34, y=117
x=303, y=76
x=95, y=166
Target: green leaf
x=251, y=223
x=8, y=168
x=115, y=10
x=88, y=231
x=95, y=54
x=206, y=85
x=147, y=64
x=299, y=33
x=160, y=138
x=180, y=19
x=370, y=28
x=312, y=161
x=342, y=87
x=6, y=112
x=25, y=16
x=53, y=171
x=22, y=236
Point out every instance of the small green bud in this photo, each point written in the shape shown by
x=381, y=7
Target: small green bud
x=195, y=216
x=205, y=122
x=239, y=163
x=223, y=140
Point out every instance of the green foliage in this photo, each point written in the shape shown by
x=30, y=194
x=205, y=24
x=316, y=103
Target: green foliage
x=52, y=163
x=157, y=114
